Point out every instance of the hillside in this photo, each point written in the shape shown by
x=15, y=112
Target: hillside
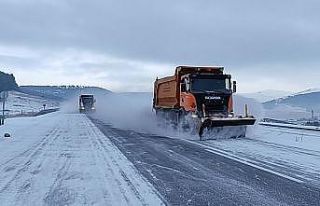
x=61, y=93
x=266, y=95
x=7, y=82
x=309, y=101
x=296, y=106
x=21, y=104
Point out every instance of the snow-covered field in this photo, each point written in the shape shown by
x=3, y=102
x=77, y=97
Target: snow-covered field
x=21, y=104
x=63, y=159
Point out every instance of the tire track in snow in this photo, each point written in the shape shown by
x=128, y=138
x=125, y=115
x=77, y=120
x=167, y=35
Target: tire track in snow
x=142, y=190
x=72, y=165
x=59, y=195
x=28, y=151
x=13, y=169
x=102, y=156
x=17, y=189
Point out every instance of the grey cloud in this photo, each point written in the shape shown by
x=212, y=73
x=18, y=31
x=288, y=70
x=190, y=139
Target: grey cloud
x=195, y=32
x=244, y=35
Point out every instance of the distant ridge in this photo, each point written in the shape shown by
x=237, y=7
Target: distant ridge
x=308, y=91
x=266, y=95
x=308, y=99
x=61, y=93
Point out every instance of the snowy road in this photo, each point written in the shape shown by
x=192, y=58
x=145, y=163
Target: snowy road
x=63, y=159
x=197, y=173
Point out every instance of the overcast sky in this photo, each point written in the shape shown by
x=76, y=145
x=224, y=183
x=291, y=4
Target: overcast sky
x=123, y=45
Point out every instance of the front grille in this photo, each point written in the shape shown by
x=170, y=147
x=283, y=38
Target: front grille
x=214, y=106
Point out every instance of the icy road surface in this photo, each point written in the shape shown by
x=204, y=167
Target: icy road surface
x=190, y=172
x=292, y=153
x=63, y=159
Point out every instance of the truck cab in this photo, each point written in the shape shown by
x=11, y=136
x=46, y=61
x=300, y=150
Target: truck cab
x=207, y=94
x=87, y=103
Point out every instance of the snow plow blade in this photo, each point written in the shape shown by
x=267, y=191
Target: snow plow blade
x=232, y=121
x=236, y=126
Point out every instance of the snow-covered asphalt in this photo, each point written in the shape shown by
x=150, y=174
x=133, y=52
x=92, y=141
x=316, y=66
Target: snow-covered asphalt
x=193, y=173
x=297, y=161
x=63, y=159
x=68, y=159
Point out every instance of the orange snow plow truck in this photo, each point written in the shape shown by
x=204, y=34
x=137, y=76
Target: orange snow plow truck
x=199, y=99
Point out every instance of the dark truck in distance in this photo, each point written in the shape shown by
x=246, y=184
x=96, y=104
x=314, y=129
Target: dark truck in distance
x=86, y=103
x=200, y=98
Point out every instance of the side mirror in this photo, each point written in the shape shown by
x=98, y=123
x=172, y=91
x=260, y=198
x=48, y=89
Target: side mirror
x=234, y=86
x=188, y=87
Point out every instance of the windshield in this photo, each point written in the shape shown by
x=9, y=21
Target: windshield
x=214, y=85
x=87, y=101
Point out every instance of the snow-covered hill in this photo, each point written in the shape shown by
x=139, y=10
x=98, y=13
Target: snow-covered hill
x=20, y=104
x=312, y=90
x=298, y=105
x=61, y=93
x=266, y=95
x=308, y=100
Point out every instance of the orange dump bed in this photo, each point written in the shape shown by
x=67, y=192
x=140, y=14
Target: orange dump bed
x=166, y=92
